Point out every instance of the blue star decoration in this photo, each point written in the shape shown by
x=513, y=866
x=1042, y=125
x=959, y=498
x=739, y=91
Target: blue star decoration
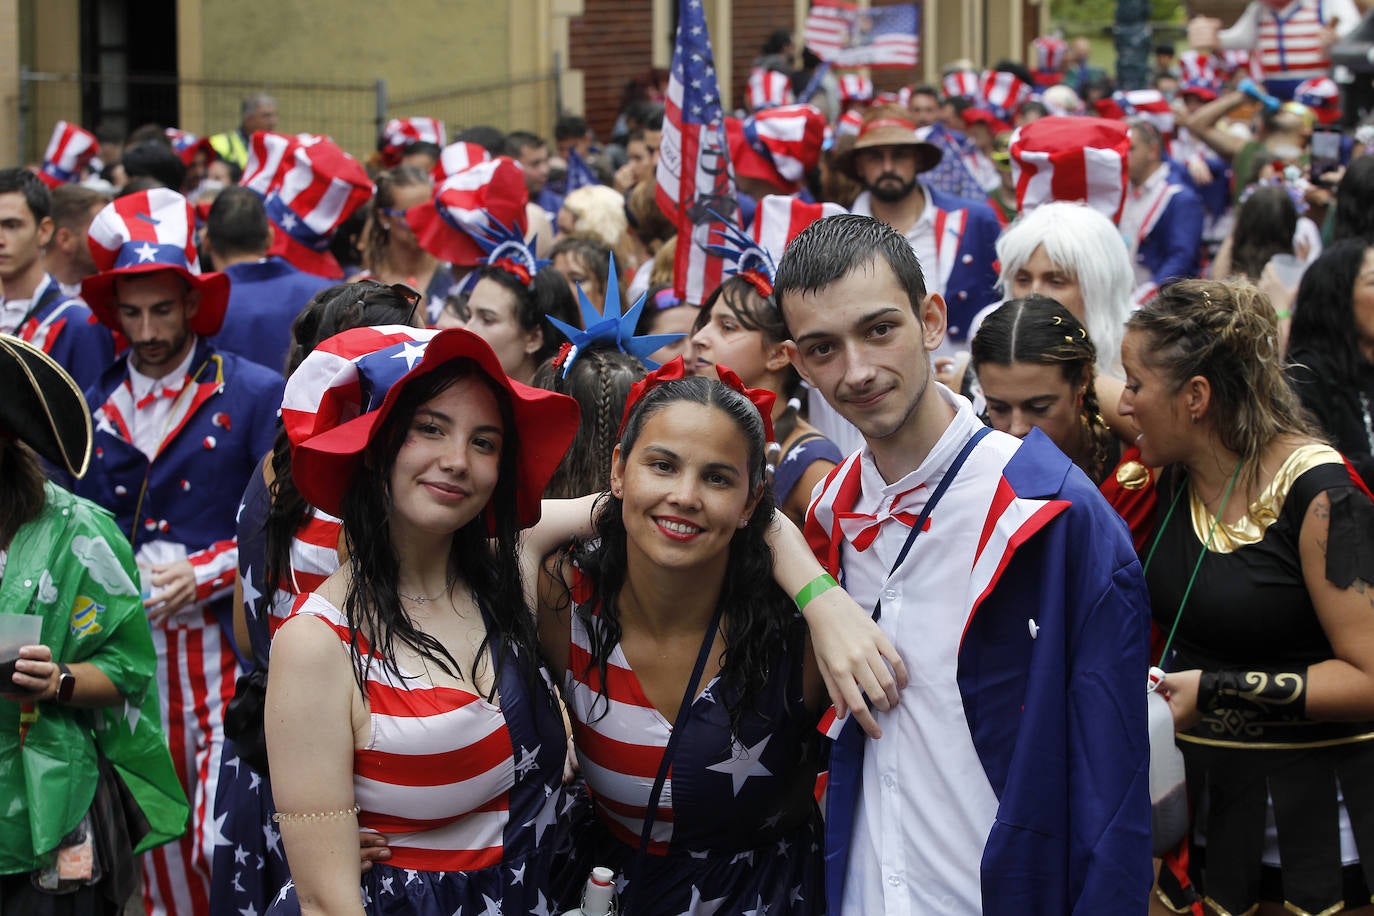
x=609, y=328
x=740, y=253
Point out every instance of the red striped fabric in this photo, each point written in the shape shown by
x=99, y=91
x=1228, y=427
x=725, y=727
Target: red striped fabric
x=437, y=775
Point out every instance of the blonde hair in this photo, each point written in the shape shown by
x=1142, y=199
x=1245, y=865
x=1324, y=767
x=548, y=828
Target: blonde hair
x=597, y=211
x=1228, y=333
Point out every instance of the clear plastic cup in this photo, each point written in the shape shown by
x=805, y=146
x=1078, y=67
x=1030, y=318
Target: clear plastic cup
x=1288, y=269
x=16, y=631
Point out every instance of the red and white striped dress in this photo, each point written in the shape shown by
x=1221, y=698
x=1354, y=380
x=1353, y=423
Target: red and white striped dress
x=464, y=790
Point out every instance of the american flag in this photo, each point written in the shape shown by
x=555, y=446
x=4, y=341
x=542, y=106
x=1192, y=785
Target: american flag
x=696, y=187
x=846, y=36
x=580, y=175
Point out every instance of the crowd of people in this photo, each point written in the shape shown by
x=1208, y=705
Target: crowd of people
x=398, y=537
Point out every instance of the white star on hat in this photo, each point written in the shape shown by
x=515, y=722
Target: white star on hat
x=145, y=253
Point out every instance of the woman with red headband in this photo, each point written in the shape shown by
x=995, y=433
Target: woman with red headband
x=687, y=673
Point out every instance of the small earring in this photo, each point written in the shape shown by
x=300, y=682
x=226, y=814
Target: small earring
x=1196, y=419
x=615, y=491
x=744, y=522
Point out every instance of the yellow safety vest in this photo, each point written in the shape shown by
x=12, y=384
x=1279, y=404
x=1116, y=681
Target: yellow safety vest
x=230, y=147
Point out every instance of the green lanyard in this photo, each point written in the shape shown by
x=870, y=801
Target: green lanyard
x=1159, y=534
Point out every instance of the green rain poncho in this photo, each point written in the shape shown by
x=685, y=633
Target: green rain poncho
x=72, y=567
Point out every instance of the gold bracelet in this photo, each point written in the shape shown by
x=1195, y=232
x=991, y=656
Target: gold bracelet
x=287, y=817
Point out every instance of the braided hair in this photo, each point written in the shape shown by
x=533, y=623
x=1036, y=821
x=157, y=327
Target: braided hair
x=1037, y=329
x=599, y=380
x=1227, y=333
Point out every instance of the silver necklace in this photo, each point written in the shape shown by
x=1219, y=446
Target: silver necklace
x=418, y=599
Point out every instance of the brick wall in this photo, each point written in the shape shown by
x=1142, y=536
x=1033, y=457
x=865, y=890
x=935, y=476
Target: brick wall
x=611, y=44
x=754, y=21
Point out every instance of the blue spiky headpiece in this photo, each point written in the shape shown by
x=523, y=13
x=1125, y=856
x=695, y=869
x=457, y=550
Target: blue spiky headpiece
x=610, y=328
x=744, y=257
x=507, y=250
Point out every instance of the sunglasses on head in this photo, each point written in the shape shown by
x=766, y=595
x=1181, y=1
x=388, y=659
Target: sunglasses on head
x=410, y=294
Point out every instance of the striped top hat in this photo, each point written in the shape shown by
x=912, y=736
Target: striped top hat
x=465, y=208
x=777, y=145
x=769, y=89
x=457, y=157
x=141, y=233
x=400, y=133
x=1072, y=159
x=69, y=151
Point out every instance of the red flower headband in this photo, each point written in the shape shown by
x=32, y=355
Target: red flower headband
x=673, y=370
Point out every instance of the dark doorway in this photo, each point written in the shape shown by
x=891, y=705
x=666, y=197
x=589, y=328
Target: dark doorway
x=128, y=64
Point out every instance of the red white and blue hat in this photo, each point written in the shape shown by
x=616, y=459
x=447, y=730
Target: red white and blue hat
x=965, y=84
x=468, y=205
x=1149, y=105
x=1323, y=96
x=900, y=97
x=777, y=221
x=458, y=157
x=855, y=87
x=1199, y=66
x=186, y=145
x=400, y=133
x=69, y=151
x=1072, y=159
x=315, y=187
x=1049, y=51
x=1002, y=93
x=343, y=392
x=850, y=123
x=1201, y=88
x=777, y=145
x=769, y=89
x=142, y=233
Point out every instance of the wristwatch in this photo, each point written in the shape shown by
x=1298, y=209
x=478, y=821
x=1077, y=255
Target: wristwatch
x=66, y=683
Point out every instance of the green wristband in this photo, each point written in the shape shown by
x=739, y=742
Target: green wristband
x=822, y=583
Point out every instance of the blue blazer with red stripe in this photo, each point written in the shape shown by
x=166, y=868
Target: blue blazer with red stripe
x=1058, y=719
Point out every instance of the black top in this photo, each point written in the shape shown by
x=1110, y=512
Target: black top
x=1249, y=607
x=1335, y=403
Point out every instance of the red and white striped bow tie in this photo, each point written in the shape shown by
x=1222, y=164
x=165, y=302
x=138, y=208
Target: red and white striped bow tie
x=861, y=528
x=159, y=391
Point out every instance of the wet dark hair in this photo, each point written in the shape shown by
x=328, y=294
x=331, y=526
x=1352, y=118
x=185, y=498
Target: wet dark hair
x=489, y=567
x=1037, y=329
x=1355, y=201
x=21, y=493
x=599, y=380
x=331, y=311
x=757, y=610
x=1265, y=224
x=36, y=194
x=1324, y=317
x=832, y=248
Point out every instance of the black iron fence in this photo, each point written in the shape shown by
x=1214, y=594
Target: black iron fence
x=352, y=113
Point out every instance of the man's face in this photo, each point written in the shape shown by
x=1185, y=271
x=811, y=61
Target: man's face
x=155, y=311
x=264, y=117
x=925, y=109
x=1143, y=158
x=22, y=238
x=861, y=345
x=642, y=159
x=535, y=161
x=887, y=172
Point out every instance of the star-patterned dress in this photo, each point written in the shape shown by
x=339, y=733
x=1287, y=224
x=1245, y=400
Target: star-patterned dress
x=468, y=793
x=737, y=830
x=249, y=863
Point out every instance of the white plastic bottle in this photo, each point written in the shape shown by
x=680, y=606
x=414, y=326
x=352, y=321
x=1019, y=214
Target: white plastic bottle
x=1168, y=788
x=598, y=896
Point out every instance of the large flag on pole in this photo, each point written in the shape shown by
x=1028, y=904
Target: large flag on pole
x=846, y=36
x=696, y=187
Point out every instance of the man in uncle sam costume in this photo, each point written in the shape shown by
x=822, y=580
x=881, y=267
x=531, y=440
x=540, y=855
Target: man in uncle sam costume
x=178, y=430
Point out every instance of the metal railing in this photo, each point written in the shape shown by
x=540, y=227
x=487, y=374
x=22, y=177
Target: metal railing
x=351, y=113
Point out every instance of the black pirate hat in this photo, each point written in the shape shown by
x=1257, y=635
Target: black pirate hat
x=42, y=406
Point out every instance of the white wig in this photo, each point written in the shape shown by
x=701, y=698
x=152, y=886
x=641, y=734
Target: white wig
x=1089, y=247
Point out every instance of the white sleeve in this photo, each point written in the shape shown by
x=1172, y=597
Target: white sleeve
x=1344, y=12
x=1244, y=35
